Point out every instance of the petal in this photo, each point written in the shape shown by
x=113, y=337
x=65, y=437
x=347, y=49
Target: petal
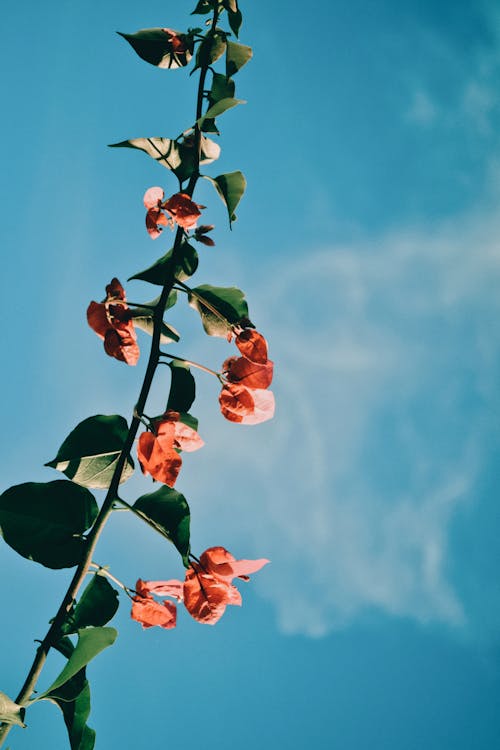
x=222, y=565
x=186, y=438
x=204, y=597
x=121, y=345
x=97, y=318
x=114, y=290
x=149, y=613
x=253, y=375
x=252, y=345
x=236, y=402
x=161, y=588
x=263, y=407
x=158, y=459
x=152, y=196
x=154, y=218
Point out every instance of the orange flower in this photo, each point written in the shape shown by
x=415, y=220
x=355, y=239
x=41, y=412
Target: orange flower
x=208, y=588
x=183, y=210
x=246, y=405
x=158, y=451
x=149, y=612
x=111, y=320
x=241, y=370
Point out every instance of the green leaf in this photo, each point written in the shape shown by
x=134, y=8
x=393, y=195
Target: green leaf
x=91, y=451
x=97, y=605
x=203, y=7
x=217, y=109
x=75, y=713
x=235, y=21
x=180, y=157
x=146, y=323
x=230, y=302
x=188, y=420
x=91, y=641
x=164, y=268
x=182, y=387
x=152, y=45
x=230, y=5
x=10, y=712
x=168, y=509
x=211, y=48
x=222, y=88
x=237, y=55
x=44, y=522
x=230, y=188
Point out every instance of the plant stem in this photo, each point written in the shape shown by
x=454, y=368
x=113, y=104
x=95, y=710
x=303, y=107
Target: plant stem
x=191, y=364
x=54, y=632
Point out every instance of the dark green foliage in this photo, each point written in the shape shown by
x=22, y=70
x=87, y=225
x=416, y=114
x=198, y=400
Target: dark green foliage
x=169, y=510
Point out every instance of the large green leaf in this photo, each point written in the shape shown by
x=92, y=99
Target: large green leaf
x=98, y=604
x=91, y=451
x=44, y=522
x=75, y=711
x=10, y=712
x=230, y=188
x=218, y=108
x=230, y=302
x=235, y=20
x=237, y=55
x=165, y=269
x=182, y=387
x=152, y=45
x=180, y=157
x=203, y=7
x=91, y=641
x=169, y=510
x=222, y=88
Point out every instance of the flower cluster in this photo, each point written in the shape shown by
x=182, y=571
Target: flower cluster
x=158, y=451
x=111, y=319
x=180, y=209
x=206, y=591
x=244, y=397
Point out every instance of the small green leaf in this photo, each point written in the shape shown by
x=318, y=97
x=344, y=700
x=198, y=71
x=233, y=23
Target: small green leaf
x=180, y=157
x=164, y=268
x=168, y=509
x=235, y=21
x=211, y=48
x=237, y=55
x=97, y=605
x=230, y=5
x=91, y=641
x=188, y=420
x=152, y=45
x=230, y=302
x=10, y=712
x=217, y=109
x=146, y=323
x=230, y=188
x=203, y=7
x=182, y=387
x=44, y=522
x=222, y=88
x=91, y=451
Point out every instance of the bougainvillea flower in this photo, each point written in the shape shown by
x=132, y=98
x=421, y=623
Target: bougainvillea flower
x=111, y=320
x=157, y=451
x=149, y=612
x=242, y=370
x=160, y=588
x=221, y=564
x=252, y=345
x=246, y=405
x=183, y=210
x=155, y=218
x=208, y=586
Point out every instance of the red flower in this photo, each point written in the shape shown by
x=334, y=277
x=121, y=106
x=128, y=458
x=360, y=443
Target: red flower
x=246, y=405
x=149, y=612
x=252, y=345
x=241, y=370
x=208, y=586
x=158, y=451
x=112, y=322
x=183, y=210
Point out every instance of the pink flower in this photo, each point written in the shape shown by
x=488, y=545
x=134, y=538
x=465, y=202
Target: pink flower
x=246, y=405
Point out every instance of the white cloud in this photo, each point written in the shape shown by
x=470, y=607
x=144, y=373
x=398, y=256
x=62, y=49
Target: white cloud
x=384, y=382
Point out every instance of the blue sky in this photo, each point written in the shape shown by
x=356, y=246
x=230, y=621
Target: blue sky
x=368, y=246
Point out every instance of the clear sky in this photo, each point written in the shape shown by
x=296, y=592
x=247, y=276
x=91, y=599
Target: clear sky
x=368, y=246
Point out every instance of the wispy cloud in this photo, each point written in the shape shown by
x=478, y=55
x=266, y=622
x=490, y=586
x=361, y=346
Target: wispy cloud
x=385, y=379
